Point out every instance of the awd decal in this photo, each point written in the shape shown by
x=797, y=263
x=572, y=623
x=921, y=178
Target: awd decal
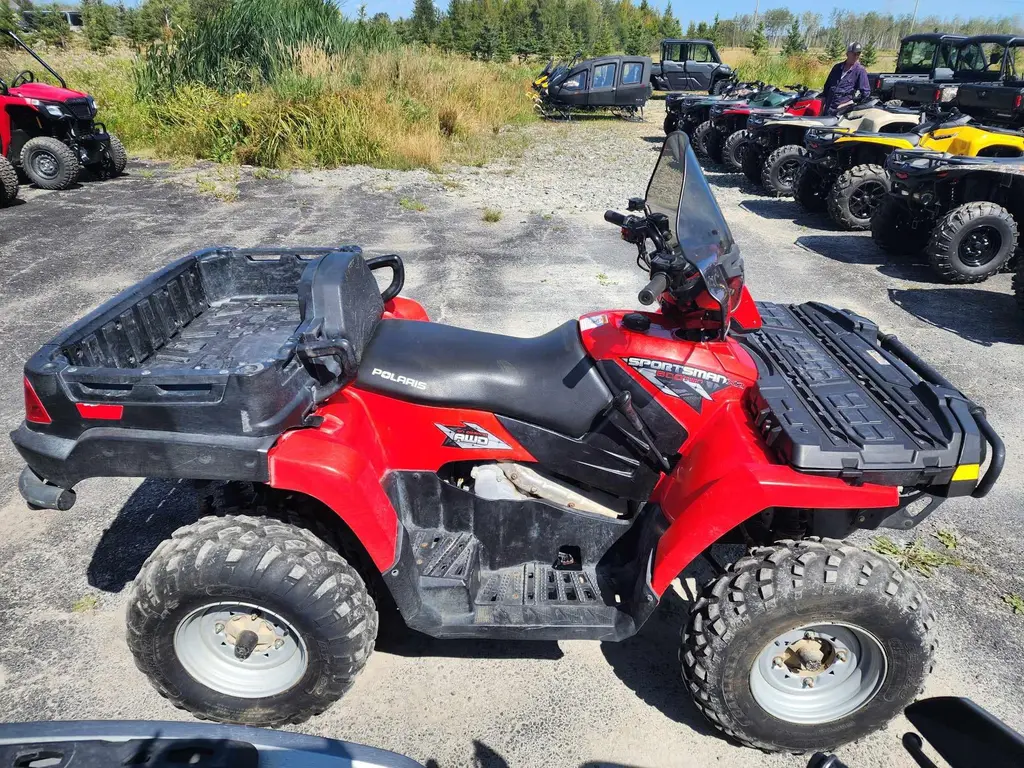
x=408, y=381
x=469, y=435
x=691, y=385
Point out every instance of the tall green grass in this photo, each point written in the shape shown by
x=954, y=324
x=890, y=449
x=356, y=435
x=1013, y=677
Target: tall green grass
x=245, y=43
x=784, y=70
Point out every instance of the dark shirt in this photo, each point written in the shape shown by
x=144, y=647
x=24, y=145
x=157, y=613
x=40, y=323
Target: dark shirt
x=840, y=87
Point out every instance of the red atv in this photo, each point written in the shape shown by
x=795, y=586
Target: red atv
x=495, y=487
x=50, y=133
x=726, y=143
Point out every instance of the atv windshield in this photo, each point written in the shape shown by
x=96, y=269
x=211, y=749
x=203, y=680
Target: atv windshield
x=700, y=234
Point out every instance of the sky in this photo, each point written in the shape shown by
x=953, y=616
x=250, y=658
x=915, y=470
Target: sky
x=687, y=11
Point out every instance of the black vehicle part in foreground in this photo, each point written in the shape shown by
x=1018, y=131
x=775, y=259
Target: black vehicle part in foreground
x=157, y=744
x=964, y=212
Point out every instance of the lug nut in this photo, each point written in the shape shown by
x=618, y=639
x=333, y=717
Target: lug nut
x=809, y=635
x=841, y=655
x=278, y=644
x=808, y=682
x=254, y=616
x=218, y=627
x=777, y=662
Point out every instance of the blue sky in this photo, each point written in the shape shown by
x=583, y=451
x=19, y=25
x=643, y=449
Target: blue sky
x=687, y=11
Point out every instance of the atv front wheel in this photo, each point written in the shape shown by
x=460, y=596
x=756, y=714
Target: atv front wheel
x=807, y=645
x=895, y=231
x=49, y=163
x=714, y=144
x=719, y=87
x=8, y=182
x=809, y=189
x=856, y=195
x=671, y=124
x=250, y=620
x=701, y=134
x=118, y=156
x=734, y=149
x=779, y=171
x=972, y=242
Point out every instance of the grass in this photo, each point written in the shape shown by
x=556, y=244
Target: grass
x=492, y=215
x=1015, y=601
x=412, y=204
x=402, y=108
x=604, y=280
x=947, y=537
x=85, y=603
x=914, y=556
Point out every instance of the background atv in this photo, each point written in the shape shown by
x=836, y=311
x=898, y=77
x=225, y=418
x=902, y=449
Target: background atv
x=726, y=143
x=775, y=144
x=685, y=111
x=845, y=172
x=493, y=486
x=50, y=133
x=964, y=212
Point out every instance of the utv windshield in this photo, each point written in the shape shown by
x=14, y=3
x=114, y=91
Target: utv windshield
x=916, y=57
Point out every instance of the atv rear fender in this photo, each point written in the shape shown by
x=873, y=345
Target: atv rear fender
x=726, y=477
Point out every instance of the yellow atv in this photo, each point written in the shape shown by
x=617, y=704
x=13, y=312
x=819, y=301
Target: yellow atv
x=844, y=171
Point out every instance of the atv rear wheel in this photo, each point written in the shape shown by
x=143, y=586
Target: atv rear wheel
x=714, y=144
x=807, y=645
x=719, y=87
x=895, y=231
x=250, y=620
x=856, y=195
x=972, y=242
x=809, y=189
x=118, y=156
x=700, y=137
x=49, y=163
x=8, y=182
x=734, y=149
x=779, y=171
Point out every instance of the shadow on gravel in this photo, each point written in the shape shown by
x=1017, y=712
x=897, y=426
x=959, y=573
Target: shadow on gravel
x=786, y=208
x=975, y=314
x=483, y=757
x=654, y=139
x=722, y=178
x=152, y=513
x=858, y=248
x=397, y=639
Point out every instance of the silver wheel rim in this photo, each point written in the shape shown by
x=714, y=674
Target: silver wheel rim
x=205, y=644
x=45, y=164
x=818, y=673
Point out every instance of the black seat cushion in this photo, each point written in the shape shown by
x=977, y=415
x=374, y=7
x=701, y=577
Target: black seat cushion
x=340, y=302
x=549, y=380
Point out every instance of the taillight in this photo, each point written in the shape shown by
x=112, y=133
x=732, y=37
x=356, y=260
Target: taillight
x=34, y=410
x=878, y=84
x=937, y=96
x=1016, y=102
x=107, y=411
x=902, y=175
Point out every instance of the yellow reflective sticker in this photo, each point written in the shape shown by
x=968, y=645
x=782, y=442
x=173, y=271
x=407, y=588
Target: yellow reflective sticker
x=966, y=472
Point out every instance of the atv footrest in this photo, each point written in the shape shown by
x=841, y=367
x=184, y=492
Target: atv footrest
x=832, y=399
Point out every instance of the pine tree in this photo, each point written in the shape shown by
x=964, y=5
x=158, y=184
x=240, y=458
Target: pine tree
x=669, y=26
x=604, y=43
x=758, y=42
x=794, y=43
x=7, y=21
x=834, y=47
x=424, y=21
x=98, y=24
x=869, y=55
x=53, y=27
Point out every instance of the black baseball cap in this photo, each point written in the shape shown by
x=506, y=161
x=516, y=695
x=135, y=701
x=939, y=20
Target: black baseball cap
x=854, y=48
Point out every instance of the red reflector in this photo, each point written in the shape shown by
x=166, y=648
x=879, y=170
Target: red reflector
x=902, y=175
x=937, y=96
x=34, y=410
x=1016, y=102
x=100, y=411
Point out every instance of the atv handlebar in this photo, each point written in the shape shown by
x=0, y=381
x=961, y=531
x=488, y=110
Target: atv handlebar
x=654, y=289
x=614, y=217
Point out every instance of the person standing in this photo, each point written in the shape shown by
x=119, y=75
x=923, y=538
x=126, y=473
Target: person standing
x=845, y=80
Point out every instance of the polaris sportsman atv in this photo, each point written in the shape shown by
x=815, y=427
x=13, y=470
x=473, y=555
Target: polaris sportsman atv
x=685, y=111
x=774, y=144
x=726, y=144
x=964, y=212
x=499, y=487
x=51, y=133
x=844, y=171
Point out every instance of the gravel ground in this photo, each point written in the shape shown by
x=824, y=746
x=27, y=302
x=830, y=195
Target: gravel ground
x=64, y=576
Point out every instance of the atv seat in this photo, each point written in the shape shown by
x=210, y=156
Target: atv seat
x=549, y=380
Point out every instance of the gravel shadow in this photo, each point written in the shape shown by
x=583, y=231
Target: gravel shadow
x=786, y=208
x=975, y=314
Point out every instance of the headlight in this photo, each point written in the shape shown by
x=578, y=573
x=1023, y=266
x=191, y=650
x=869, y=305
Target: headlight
x=92, y=104
x=54, y=109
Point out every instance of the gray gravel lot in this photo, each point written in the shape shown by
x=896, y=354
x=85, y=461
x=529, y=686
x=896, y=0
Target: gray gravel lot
x=64, y=576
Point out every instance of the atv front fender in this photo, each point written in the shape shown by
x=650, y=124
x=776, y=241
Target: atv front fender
x=726, y=477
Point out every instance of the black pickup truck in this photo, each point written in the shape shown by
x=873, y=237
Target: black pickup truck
x=919, y=57
x=976, y=59
x=998, y=101
x=690, y=65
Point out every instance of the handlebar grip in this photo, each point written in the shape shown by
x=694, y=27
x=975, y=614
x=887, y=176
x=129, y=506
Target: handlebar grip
x=653, y=289
x=614, y=217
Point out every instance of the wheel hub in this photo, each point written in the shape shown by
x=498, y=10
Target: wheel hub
x=980, y=246
x=819, y=673
x=787, y=171
x=866, y=199
x=45, y=164
x=266, y=638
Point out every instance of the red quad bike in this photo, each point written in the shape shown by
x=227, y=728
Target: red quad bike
x=489, y=486
x=50, y=133
x=728, y=138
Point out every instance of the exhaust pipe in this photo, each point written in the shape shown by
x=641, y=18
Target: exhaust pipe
x=43, y=495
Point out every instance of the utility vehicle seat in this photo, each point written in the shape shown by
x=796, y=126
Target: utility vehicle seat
x=549, y=380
